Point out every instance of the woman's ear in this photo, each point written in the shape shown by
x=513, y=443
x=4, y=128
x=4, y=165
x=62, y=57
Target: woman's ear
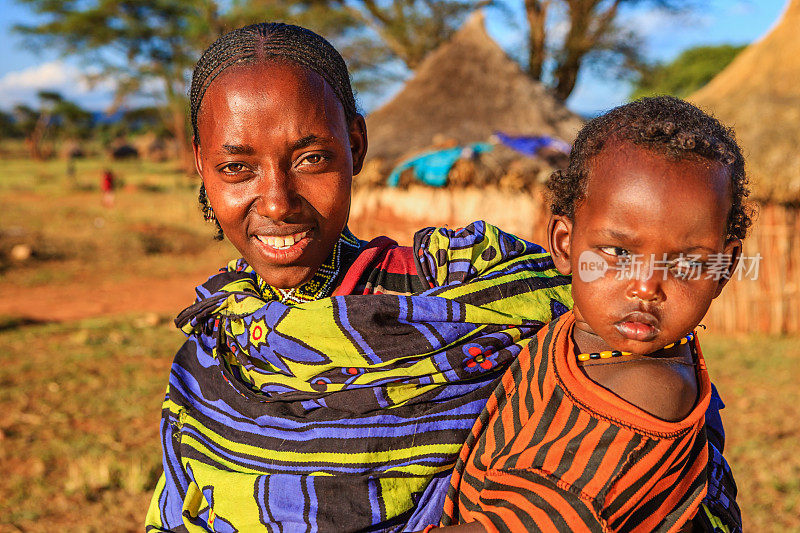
x=559, y=236
x=198, y=164
x=358, y=142
x=732, y=253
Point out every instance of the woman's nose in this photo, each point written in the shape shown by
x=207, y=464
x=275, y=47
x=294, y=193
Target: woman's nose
x=277, y=197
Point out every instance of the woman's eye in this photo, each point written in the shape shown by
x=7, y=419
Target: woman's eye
x=233, y=168
x=615, y=251
x=313, y=159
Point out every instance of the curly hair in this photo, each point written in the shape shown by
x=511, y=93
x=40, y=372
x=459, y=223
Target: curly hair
x=268, y=41
x=664, y=124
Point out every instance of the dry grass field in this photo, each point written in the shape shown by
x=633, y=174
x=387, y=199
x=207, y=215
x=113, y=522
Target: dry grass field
x=80, y=397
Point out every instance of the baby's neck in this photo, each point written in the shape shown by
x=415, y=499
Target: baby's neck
x=587, y=341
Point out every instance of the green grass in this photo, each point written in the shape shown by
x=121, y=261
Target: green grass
x=758, y=379
x=50, y=176
x=80, y=407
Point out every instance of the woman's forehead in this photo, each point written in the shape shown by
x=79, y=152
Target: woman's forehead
x=278, y=93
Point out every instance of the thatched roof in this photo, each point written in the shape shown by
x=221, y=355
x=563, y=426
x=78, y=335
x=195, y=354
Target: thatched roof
x=759, y=95
x=465, y=90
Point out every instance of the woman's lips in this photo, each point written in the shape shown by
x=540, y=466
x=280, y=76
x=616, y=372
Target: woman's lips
x=284, y=248
x=282, y=242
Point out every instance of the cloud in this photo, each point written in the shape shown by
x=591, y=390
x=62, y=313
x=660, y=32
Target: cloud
x=742, y=9
x=21, y=86
x=661, y=22
x=44, y=76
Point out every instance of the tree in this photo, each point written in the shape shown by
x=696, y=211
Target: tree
x=8, y=126
x=149, y=46
x=55, y=116
x=144, y=119
x=410, y=29
x=593, y=34
x=142, y=46
x=685, y=74
x=69, y=119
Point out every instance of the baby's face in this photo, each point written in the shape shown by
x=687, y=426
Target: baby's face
x=647, y=224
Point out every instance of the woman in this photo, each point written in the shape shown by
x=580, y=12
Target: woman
x=324, y=414
x=289, y=410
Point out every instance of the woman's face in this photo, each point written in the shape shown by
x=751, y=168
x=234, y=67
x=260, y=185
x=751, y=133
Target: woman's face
x=277, y=158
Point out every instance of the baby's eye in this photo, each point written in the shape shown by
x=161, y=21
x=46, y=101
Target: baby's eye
x=616, y=251
x=686, y=268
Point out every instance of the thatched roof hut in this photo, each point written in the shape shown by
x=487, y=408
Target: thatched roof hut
x=759, y=95
x=465, y=90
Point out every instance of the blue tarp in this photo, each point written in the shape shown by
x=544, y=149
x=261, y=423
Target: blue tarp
x=432, y=167
x=530, y=146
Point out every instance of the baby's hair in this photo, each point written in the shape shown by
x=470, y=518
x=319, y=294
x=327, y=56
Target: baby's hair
x=664, y=124
x=273, y=41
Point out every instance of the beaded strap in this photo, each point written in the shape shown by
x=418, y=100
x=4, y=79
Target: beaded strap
x=608, y=354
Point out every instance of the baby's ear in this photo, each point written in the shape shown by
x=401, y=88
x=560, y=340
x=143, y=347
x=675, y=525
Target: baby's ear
x=732, y=253
x=559, y=236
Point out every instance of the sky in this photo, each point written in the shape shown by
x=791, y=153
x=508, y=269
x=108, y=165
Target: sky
x=23, y=72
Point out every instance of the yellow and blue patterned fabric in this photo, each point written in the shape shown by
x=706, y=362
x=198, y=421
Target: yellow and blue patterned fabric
x=345, y=413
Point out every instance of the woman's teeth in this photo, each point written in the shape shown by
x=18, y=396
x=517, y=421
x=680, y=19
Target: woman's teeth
x=282, y=243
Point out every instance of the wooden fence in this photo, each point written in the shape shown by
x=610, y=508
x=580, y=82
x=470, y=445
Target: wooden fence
x=765, y=300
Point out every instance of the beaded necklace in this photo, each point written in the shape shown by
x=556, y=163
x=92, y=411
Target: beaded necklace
x=608, y=354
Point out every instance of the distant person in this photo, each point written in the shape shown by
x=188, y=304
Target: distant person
x=71, y=168
x=107, y=187
x=326, y=383
x=599, y=425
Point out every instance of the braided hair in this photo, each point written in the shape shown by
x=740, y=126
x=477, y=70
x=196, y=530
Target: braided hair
x=269, y=41
x=664, y=124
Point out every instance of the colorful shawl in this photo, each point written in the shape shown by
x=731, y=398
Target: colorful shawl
x=345, y=413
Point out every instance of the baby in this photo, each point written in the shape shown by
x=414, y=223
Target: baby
x=599, y=424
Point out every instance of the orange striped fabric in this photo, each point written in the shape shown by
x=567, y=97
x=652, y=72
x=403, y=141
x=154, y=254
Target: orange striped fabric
x=554, y=451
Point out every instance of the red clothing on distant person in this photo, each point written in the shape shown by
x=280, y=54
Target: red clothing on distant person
x=107, y=185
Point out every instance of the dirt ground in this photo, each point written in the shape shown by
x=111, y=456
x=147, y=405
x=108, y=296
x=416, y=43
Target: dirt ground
x=88, y=298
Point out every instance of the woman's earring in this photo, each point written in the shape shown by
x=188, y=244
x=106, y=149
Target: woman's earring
x=205, y=205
